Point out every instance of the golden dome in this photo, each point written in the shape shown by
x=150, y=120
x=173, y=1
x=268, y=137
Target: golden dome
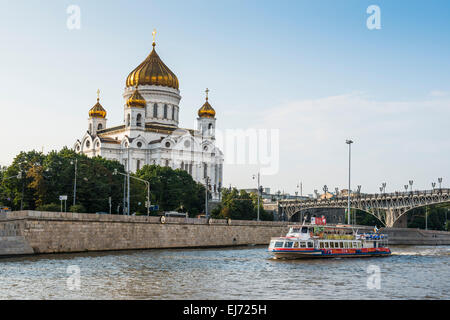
x=136, y=100
x=206, y=111
x=97, y=110
x=152, y=71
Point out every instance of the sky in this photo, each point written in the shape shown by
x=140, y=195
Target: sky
x=310, y=71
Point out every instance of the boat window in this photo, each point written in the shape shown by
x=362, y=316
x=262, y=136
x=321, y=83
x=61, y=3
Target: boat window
x=272, y=244
x=336, y=244
x=303, y=244
x=350, y=245
x=355, y=245
x=332, y=244
x=321, y=245
x=278, y=244
x=310, y=244
x=305, y=230
x=327, y=245
x=296, y=244
x=288, y=244
x=341, y=244
x=345, y=244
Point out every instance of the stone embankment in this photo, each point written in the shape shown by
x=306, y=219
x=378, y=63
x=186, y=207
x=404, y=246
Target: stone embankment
x=32, y=232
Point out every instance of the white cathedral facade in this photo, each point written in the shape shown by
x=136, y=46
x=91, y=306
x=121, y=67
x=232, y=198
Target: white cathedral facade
x=150, y=133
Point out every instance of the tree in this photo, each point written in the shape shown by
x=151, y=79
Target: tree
x=170, y=189
x=237, y=205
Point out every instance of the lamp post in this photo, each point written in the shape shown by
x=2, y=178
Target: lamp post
x=206, y=196
x=258, y=190
x=75, y=181
x=139, y=179
x=349, y=142
x=406, y=187
x=337, y=191
x=440, y=183
x=384, y=187
x=433, y=185
x=325, y=189
x=411, y=184
x=300, y=185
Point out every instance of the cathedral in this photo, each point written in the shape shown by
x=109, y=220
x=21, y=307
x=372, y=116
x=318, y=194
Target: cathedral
x=150, y=133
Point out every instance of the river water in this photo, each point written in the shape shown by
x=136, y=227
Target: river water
x=412, y=272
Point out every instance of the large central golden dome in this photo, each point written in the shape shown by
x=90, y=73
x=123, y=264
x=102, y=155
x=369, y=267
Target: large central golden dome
x=152, y=71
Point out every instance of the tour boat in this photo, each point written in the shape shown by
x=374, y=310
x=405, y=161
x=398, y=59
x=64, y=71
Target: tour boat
x=322, y=241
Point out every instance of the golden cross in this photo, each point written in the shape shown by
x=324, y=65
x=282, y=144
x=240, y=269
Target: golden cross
x=154, y=36
x=207, y=91
x=98, y=94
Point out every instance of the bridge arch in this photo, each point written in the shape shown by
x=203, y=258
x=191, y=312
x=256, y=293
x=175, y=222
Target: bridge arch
x=301, y=213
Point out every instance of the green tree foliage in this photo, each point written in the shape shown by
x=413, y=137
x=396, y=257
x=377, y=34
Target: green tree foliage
x=435, y=217
x=170, y=190
x=239, y=205
x=43, y=178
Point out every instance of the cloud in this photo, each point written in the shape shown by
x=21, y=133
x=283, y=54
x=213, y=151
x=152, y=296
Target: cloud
x=394, y=141
x=438, y=93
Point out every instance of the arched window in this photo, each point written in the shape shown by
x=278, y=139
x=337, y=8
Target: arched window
x=128, y=120
x=173, y=112
x=210, y=128
x=139, y=120
x=155, y=111
x=99, y=127
x=90, y=128
x=165, y=111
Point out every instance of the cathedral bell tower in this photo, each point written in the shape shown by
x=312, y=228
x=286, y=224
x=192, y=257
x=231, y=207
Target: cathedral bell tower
x=97, y=117
x=206, y=121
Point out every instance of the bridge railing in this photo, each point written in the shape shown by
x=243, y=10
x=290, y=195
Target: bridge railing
x=376, y=196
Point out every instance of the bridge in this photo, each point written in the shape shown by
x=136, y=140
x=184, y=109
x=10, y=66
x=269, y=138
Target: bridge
x=386, y=207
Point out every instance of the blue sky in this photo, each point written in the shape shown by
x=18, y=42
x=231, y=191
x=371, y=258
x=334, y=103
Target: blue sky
x=313, y=60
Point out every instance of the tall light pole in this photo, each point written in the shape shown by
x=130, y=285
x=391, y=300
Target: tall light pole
x=206, y=196
x=75, y=181
x=411, y=184
x=433, y=185
x=128, y=181
x=349, y=142
x=257, y=216
x=139, y=179
x=325, y=190
x=440, y=183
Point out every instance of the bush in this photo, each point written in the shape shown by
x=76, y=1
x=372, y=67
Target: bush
x=52, y=207
x=78, y=208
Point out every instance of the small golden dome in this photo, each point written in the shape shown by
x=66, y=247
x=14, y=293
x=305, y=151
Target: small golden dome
x=206, y=111
x=152, y=71
x=97, y=110
x=136, y=100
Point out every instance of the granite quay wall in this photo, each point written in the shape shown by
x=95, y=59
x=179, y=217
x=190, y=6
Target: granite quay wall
x=28, y=232
x=53, y=232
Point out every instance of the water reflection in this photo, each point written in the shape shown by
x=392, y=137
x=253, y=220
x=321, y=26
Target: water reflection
x=233, y=273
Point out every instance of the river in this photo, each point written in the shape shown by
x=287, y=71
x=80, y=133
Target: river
x=412, y=272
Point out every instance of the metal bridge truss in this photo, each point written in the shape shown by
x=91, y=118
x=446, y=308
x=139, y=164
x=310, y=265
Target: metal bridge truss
x=386, y=207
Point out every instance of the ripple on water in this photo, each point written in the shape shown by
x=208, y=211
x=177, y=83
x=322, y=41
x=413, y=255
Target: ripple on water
x=243, y=273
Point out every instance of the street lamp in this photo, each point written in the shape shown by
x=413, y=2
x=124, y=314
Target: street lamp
x=325, y=189
x=349, y=142
x=75, y=181
x=440, y=183
x=433, y=185
x=411, y=184
x=406, y=188
x=139, y=179
x=337, y=191
x=207, y=179
x=384, y=187
x=254, y=177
